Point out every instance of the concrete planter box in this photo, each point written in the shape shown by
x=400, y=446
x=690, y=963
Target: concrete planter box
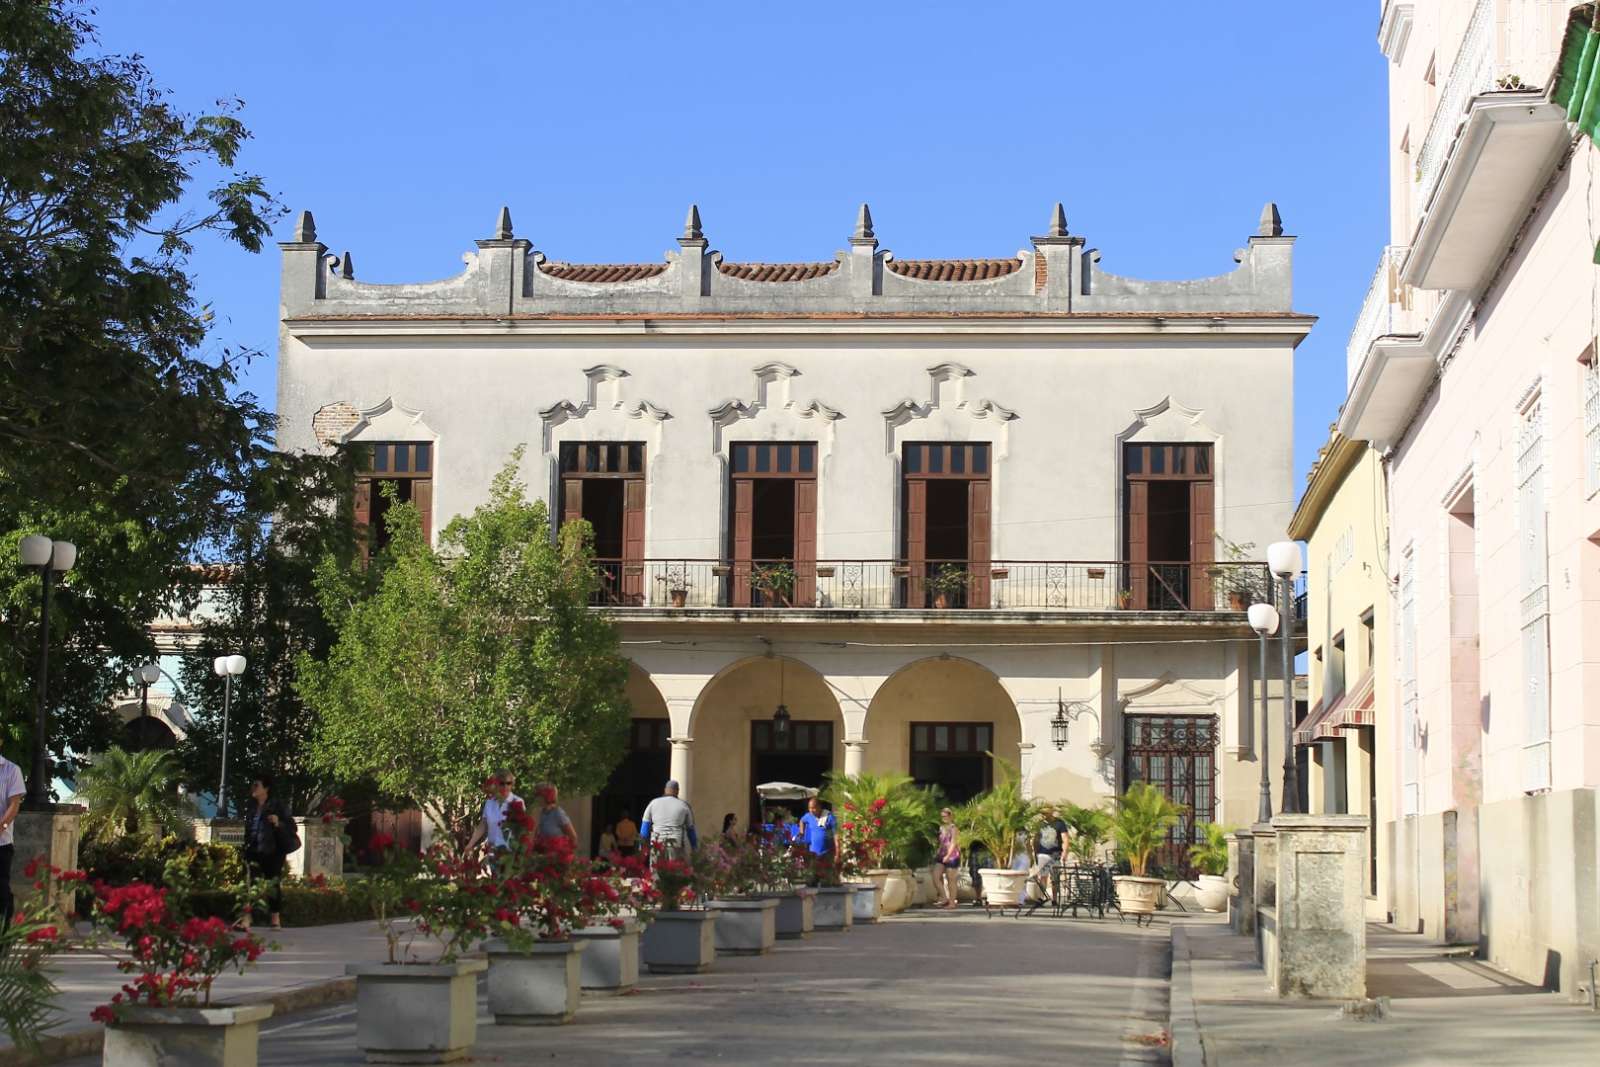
x=185, y=1037
x=746, y=927
x=680, y=942
x=834, y=908
x=868, y=902
x=415, y=1012
x=610, y=964
x=538, y=987
x=796, y=914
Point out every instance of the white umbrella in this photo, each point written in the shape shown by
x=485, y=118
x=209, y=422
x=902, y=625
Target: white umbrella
x=784, y=791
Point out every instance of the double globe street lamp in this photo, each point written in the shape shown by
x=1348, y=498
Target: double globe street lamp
x=49, y=558
x=227, y=668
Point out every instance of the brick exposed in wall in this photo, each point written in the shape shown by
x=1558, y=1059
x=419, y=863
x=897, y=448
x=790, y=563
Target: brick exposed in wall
x=333, y=421
x=1041, y=270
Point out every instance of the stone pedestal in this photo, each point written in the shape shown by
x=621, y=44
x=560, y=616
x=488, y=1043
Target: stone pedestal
x=219, y=832
x=1242, y=882
x=611, y=962
x=53, y=832
x=1321, y=927
x=321, y=848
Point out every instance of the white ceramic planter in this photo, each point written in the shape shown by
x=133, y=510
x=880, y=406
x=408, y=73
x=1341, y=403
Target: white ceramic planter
x=899, y=891
x=1213, y=892
x=796, y=914
x=538, y=987
x=1138, y=896
x=611, y=962
x=922, y=889
x=834, y=908
x=180, y=1037
x=417, y=1013
x=746, y=927
x=680, y=942
x=1002, y=888
x=868, y=903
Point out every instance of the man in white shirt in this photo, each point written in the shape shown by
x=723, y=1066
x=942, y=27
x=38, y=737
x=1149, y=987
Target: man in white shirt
x=491, y=826
x=11, y=793
x=668, y=825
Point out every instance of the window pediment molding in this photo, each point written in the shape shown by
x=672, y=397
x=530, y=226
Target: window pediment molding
x=389, y=421
x=774, y=404
x=603, y=399
x=946, y=408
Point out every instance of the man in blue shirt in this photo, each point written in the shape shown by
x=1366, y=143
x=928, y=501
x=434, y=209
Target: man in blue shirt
x=817, y=829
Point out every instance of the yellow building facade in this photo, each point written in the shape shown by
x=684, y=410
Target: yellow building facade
x=1345, y=737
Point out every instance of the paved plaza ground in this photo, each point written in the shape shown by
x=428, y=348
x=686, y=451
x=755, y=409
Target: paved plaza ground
x=925, y=987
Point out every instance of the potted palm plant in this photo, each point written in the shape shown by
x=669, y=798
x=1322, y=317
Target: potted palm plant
x=1144, y=815
x=1210, y=854
x=1090, y=827
x=1001, y=822
x=881, y=817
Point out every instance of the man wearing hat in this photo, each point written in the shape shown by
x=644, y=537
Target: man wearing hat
x=668, y=825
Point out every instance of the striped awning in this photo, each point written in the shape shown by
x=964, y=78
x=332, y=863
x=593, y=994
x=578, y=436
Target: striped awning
x=1351, y=709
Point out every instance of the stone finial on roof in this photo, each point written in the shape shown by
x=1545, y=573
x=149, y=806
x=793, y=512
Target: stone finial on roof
x=305, y=229
x=347, y=269
x=863, y=225
x=1271, y=222
x=502, y=225
x=1058, y=221
x=691, y=225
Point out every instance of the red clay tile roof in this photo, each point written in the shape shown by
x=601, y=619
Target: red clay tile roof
x=954, y=270
x=602, y=272
x=778, y=272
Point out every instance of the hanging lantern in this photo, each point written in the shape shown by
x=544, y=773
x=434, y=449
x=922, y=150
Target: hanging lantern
x=780, y=718
x=1058, y=726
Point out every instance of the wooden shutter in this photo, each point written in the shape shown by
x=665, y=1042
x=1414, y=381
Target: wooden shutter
x=633, y=541
x=916, y=539
x=363, y=516
x=978, y=546
x=805, y=543
x=571, y=500
x=1202, y=544
x=1138, y=541
x=422, y=499
x=744, y=493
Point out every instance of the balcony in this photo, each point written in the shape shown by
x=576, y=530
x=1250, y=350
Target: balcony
x=844, y=586
x=1384, y=313
x=1486, y=155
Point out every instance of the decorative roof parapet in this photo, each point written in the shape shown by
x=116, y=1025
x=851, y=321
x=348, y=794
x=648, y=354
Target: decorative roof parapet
x=506, y=277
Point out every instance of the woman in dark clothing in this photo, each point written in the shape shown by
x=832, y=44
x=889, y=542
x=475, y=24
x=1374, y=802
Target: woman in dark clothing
x=268, y=832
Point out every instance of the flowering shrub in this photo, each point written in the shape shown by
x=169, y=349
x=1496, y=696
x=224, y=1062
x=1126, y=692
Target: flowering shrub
x=885, y=820
x=676, y=882
x=331, y=810
x=389, y=889
x=35, y=934
x=173, y=955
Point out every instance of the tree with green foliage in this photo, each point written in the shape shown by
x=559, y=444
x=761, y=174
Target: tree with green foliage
x=450, y=664
x=120, y=427
x=132, y=794
x=294, y=513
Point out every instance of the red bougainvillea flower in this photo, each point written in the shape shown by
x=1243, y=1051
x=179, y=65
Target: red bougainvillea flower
x=380, y=842
x=43, y=936
x=878, y=804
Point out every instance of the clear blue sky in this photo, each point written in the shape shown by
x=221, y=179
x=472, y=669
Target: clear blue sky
x=1163, y=128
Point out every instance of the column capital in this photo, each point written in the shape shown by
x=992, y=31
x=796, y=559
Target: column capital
x=854, y=742
x=1026, y=746
x=680, y=742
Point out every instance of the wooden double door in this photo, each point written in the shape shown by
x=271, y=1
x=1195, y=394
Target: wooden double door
x=602, y=482
x=1169, y=498
x=773, y=536
x=946, y=516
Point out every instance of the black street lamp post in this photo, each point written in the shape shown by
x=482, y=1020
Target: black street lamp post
x=48, y=558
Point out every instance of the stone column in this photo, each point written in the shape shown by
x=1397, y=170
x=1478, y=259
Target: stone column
x=1266, y=890
x=855, y=755
x=1242, y=882
x=682, y=763
x=1025, y=766
x=53, y=832
x=1321, y=915
x=321, y=848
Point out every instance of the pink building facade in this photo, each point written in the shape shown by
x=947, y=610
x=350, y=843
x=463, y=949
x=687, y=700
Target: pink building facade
x=1473, y=369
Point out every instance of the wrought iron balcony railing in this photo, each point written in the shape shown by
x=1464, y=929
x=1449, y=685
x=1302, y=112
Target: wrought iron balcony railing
x=1383, y=312
x=1471, y=73
x=883, y=585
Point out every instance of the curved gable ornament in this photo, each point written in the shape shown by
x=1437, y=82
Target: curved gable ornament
x=389, y=421
x=1185, y=695
x=947, y=396
x=602, y=396
x=1169, y=421
x=774, y=396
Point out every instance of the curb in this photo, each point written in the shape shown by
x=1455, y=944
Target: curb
x=1183, y=1022
x=89, y=1040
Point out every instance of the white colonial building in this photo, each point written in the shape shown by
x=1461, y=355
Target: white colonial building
x=923, y=504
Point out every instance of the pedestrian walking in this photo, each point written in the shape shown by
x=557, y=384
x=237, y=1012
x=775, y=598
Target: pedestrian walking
x=948, y=859
x=270, y=838
x=553, y=821
x=627, y=836
x=730, y=829
x=11, y=793
x=669, y=825
x=490, y=831
x=818, y=829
